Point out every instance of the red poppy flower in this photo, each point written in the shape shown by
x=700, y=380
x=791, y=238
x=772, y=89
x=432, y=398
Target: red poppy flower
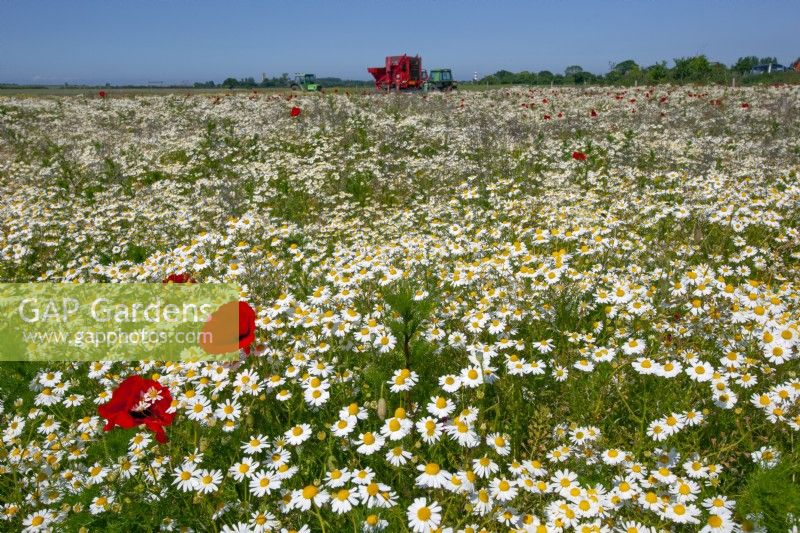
x=745, y=105
x=247, y=326
x=183, y=277
x=547, y=117
x=221, y=337
x=295, y=111
x=101, y=94
x=578, y=156
x=662, y=100
x=593, y=113
x=138, y=401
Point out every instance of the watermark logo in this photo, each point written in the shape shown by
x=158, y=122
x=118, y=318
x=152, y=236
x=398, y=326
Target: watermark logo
x=119, y=322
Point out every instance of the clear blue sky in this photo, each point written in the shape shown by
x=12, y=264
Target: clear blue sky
x=135, y=41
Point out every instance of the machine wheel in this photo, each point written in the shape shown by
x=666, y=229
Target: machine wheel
x=295, y=87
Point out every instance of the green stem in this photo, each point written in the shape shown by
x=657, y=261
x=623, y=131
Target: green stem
x=320, y=520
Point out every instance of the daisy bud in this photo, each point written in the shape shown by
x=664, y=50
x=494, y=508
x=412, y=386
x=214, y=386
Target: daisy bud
x=381, y=409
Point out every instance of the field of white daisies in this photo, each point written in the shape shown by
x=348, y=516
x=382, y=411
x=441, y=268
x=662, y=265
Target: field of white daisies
x=512, y=310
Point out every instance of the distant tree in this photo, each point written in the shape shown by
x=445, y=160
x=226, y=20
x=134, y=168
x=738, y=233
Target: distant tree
x=526, y=78
x=544, y=77
x=626, y=66
x=505, y=76
x=204, y=85
x=692, y=69
x=572, y=70
x=247, y=82
x=584, y=77
x=230, y=83
x=744, y=64
x=613, y=77
x=767, y=60
x=657, y=73
x=719, y=72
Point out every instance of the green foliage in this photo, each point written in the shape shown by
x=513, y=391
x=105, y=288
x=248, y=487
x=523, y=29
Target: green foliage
x=358, y=186
x=693, y=69
x=769, y=496
x=409, y=314
x=744, y=64
x=572, y=70
x=626, y=67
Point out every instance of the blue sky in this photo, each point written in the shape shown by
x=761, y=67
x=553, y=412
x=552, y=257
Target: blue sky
x=136, y=41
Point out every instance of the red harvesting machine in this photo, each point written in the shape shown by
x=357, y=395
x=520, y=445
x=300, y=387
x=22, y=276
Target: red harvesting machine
x=401, y=73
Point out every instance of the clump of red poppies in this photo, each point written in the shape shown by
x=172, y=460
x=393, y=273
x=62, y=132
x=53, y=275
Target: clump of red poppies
x=295, y=111
x=578, y=156
x=138, y=401
x=183, y=277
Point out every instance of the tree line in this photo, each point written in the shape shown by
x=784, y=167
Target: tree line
x=284, y=80
x=695, y=69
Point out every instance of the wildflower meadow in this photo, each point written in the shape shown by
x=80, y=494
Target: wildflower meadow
x=528, y=310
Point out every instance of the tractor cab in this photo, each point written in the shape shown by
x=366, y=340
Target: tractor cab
x=305, y=82
x=440, y=79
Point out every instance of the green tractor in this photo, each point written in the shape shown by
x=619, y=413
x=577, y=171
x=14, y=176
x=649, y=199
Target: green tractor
x=305, y=82
x=440, y=79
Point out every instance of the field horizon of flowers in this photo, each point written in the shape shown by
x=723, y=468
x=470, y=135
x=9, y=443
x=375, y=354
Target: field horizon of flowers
x=551, y=309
